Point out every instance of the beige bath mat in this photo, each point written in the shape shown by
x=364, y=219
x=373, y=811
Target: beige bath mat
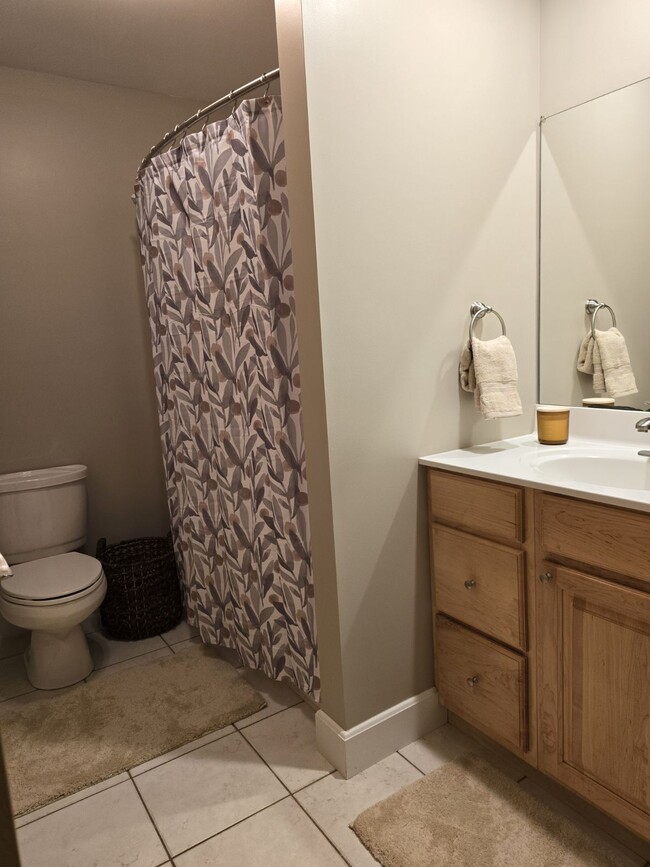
x=467, y=814
x=58, y=743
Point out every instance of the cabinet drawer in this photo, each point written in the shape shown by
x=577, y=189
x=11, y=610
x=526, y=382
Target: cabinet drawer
x=480, y=583
x=483, y=507
x=482, y=682
x=602, y=536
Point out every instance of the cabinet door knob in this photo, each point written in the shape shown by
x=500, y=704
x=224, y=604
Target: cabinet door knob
x=470, y=583
x=545, y=577
x=472, y=681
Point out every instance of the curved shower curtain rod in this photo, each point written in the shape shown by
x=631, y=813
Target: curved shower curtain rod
x=204, y=112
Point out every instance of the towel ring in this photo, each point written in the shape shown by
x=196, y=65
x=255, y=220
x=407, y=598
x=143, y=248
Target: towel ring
x=478, y=311
x=594, y=307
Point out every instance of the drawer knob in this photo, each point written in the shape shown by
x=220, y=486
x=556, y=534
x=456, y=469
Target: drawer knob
x=546, y=577
x=470, y=583
x=472, y=681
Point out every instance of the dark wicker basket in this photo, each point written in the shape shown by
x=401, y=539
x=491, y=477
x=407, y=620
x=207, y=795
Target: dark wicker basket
x=144, y=594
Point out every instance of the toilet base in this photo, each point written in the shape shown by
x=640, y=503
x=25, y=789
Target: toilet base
x=58, y=658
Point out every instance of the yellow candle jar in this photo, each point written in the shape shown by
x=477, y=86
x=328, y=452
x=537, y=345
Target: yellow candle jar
x=552, y=425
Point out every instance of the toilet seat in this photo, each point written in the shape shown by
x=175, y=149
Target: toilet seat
x=52, y=580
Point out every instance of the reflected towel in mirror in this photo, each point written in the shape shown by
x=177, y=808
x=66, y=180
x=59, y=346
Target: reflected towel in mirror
x=604, y=356
x=488, y=369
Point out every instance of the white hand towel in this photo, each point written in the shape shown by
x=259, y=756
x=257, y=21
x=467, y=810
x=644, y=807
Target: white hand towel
x=489, y=369
x=606, y=358
x=466, y=369
x=589, y=362
x=614, y=357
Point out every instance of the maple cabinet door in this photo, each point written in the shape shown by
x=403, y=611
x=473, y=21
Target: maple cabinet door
x=594, y=691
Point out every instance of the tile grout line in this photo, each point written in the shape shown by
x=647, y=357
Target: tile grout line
x=133, y=777
x=300, y=790
x=90, y=794
x=282, y=783
x=316, y=825
x=234, y=825
x=20, y=695
x=234, y=731
x=200, y=746
x=72, y=804
x=397, y=752
x=184, y=641
x=182, y=755
x=11, y=656
x=151, y=819
x=275, y=713
x=129, y=658
x=95, y=669
x=283, y=798
x=313, y=782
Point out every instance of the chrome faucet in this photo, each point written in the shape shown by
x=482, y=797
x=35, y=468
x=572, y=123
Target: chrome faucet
x=5, y=569
x=643, y=426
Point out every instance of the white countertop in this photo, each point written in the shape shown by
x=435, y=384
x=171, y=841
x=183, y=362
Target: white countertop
x=612, y=443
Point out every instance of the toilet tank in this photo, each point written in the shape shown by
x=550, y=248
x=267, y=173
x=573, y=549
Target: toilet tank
x=42, y=512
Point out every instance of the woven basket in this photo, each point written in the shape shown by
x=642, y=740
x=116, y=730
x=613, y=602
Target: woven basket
x=144, y=594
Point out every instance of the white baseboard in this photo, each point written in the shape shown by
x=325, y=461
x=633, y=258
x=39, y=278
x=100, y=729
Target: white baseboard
x=371, y=741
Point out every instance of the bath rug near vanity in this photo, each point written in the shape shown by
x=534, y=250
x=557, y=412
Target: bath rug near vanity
x=58, y=743
x=468, y=813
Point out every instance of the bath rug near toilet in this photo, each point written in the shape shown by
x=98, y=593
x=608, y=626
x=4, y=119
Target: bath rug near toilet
x=467, y=814
x=57, y=743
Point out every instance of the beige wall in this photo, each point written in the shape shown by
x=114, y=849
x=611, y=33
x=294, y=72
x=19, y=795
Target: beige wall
x=77, y=381
x=587, y=50
x=197, y=49
x=303, y=240
x=422, y=129
x=591, y=48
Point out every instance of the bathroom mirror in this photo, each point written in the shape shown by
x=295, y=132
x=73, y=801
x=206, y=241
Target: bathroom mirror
x=595, y=225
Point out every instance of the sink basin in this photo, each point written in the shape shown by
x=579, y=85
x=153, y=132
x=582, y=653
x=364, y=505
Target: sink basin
x=609, y=468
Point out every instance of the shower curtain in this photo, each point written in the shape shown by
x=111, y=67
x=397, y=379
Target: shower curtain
x=213, y=221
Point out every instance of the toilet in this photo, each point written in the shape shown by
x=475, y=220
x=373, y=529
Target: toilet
x=53, y=587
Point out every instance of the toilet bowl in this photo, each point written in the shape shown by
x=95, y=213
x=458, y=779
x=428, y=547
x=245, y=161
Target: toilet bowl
x=46, y=585
x=51, y=597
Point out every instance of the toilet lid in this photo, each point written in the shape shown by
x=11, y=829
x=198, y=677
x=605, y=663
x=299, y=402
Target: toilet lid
x=52, y=577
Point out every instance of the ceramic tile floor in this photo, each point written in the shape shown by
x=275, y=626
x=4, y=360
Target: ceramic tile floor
x=255, y=793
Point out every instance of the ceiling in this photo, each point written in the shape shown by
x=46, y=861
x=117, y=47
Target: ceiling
x=187, y=48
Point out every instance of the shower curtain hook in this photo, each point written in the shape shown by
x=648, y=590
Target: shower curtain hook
x=174, y=135
x=234, y=103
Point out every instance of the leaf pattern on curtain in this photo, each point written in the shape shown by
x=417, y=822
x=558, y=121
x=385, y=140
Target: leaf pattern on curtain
x=213, y=218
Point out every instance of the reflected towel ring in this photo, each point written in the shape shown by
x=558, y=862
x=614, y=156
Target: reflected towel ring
x=594, y=307
x=478, y=311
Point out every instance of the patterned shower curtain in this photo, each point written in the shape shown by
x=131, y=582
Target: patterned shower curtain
x=214, y=227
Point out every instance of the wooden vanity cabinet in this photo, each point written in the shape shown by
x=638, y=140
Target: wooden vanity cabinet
x=481, y=545
x=542, y=633
x=594, y=654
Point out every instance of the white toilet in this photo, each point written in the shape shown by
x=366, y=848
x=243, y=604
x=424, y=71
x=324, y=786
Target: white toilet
x=53, y=587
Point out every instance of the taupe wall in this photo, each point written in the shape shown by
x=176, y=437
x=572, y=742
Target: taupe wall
x=422, y=130
x=296, y=130
x=77, y=381
x=588, y=49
